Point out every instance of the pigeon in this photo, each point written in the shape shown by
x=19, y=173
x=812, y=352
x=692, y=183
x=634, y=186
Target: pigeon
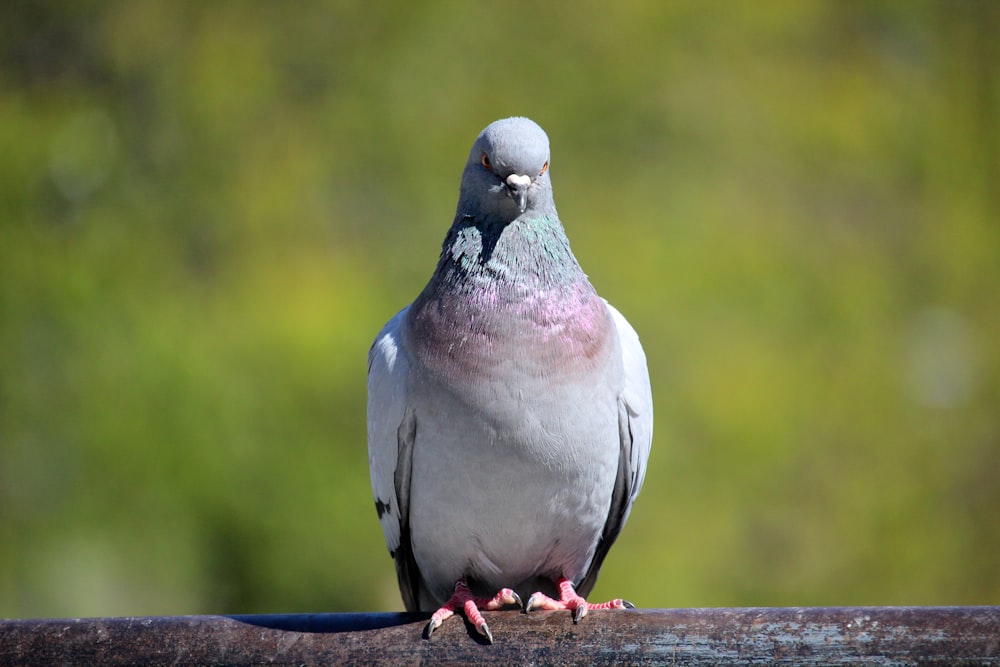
x=510, y=415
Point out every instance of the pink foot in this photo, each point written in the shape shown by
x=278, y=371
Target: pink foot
x=462, y=599
x=568, y=599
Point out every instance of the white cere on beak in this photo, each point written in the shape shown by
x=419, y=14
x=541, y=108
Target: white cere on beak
x=518, y=181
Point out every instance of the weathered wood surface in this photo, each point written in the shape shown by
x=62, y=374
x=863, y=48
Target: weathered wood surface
x=781, y=636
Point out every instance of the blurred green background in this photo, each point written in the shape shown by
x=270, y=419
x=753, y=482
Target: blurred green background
x=207, y=211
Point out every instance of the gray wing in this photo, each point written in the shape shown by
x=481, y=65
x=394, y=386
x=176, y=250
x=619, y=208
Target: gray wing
x=635, y=426
x=391, y=432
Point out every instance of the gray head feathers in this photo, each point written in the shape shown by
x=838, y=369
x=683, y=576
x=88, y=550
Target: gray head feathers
x=506, y=174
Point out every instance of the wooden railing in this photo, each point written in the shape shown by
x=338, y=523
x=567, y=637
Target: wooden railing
x=754, y=636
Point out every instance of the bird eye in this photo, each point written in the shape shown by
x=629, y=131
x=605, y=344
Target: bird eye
x=485, y=160
x=545, y=168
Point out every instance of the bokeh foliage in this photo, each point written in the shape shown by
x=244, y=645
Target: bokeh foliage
x=207, y=210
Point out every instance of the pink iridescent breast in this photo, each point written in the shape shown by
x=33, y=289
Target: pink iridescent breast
x=459, y=336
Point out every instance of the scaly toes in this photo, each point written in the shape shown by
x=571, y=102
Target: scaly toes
x=475, y=617
x=570, y=600
x=617, y=603
x=463, y=601
x=542, y=601
x=502, y=599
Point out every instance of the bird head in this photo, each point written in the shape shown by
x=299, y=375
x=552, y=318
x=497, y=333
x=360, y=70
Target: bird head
x=507, y=171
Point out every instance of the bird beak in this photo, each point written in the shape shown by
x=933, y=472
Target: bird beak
x=517, y=187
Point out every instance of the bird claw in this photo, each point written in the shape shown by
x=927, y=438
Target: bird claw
x=433, y=625
x=536, y=601
x=579, y=612
x=627, y=605
x=484, y=630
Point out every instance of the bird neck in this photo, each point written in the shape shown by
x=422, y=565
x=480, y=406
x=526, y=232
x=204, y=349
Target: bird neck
x=504, y=290
x=528, y=253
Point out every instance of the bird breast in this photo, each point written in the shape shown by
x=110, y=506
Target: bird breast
x=558, y=334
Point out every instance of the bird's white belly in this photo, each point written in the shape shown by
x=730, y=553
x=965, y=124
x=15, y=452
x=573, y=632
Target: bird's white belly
x=511, y=486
